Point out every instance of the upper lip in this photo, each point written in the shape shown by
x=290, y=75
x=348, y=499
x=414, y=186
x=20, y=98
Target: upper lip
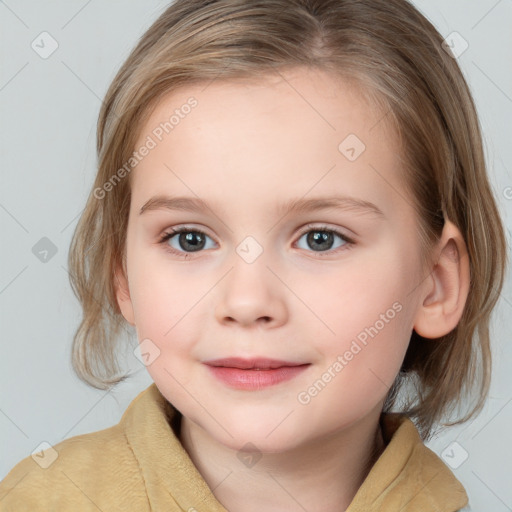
x=247, y=364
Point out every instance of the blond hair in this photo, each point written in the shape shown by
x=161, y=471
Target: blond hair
x=396, y=56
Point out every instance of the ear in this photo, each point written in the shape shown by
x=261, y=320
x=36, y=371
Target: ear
x=446, y=289
x=123, y=295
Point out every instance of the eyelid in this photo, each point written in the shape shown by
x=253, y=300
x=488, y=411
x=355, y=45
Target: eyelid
x=308, y=227
x=322, y=226
x=173, y=230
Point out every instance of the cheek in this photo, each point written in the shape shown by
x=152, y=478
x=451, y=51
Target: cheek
x=158, y=288
x=360, y=366
x=163, y=302
x=358, y=294
x=164, y=314
x=369, y=316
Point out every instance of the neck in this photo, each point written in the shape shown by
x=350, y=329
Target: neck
x=324, y=474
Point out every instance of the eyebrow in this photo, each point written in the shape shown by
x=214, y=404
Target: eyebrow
x=194, y=204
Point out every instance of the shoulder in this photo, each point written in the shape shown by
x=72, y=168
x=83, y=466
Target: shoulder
x=90, y=472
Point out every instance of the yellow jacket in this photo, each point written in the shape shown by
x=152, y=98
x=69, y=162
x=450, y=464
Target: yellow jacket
x=140, y=465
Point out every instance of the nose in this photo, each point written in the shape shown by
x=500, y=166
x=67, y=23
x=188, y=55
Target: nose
x=251, y=296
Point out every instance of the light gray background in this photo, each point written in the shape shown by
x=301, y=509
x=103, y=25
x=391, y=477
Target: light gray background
x=49, y=109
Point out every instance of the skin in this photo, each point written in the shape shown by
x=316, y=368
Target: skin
x=247, y=147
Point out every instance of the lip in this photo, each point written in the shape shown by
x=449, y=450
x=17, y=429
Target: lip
x=254, y=373
x=261, y=363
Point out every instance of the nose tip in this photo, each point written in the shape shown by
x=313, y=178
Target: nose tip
x=250, y=295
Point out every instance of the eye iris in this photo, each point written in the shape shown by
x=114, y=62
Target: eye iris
x=325, y=238
x=191, y=240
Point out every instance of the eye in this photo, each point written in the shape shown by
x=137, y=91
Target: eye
x=322, y=238
x=188, y=240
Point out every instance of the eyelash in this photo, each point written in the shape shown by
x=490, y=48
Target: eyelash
x=349, y=242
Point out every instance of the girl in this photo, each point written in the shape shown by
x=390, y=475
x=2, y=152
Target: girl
x=292, y=211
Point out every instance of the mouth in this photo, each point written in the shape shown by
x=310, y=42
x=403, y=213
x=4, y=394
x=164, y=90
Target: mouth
x=255, y=373
x=259, y=363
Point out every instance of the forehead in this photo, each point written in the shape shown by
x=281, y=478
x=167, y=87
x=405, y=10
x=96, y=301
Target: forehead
x=288, y=127
x=325, y=98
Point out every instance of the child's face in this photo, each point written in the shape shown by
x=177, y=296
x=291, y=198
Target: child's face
x=265, y=284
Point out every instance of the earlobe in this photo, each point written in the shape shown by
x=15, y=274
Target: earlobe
x=446, y=289
x=123, y=296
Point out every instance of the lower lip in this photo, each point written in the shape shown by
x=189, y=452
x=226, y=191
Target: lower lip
x=255, y=379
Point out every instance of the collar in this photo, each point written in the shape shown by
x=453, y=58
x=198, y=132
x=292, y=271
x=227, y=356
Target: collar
x=407, y=477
